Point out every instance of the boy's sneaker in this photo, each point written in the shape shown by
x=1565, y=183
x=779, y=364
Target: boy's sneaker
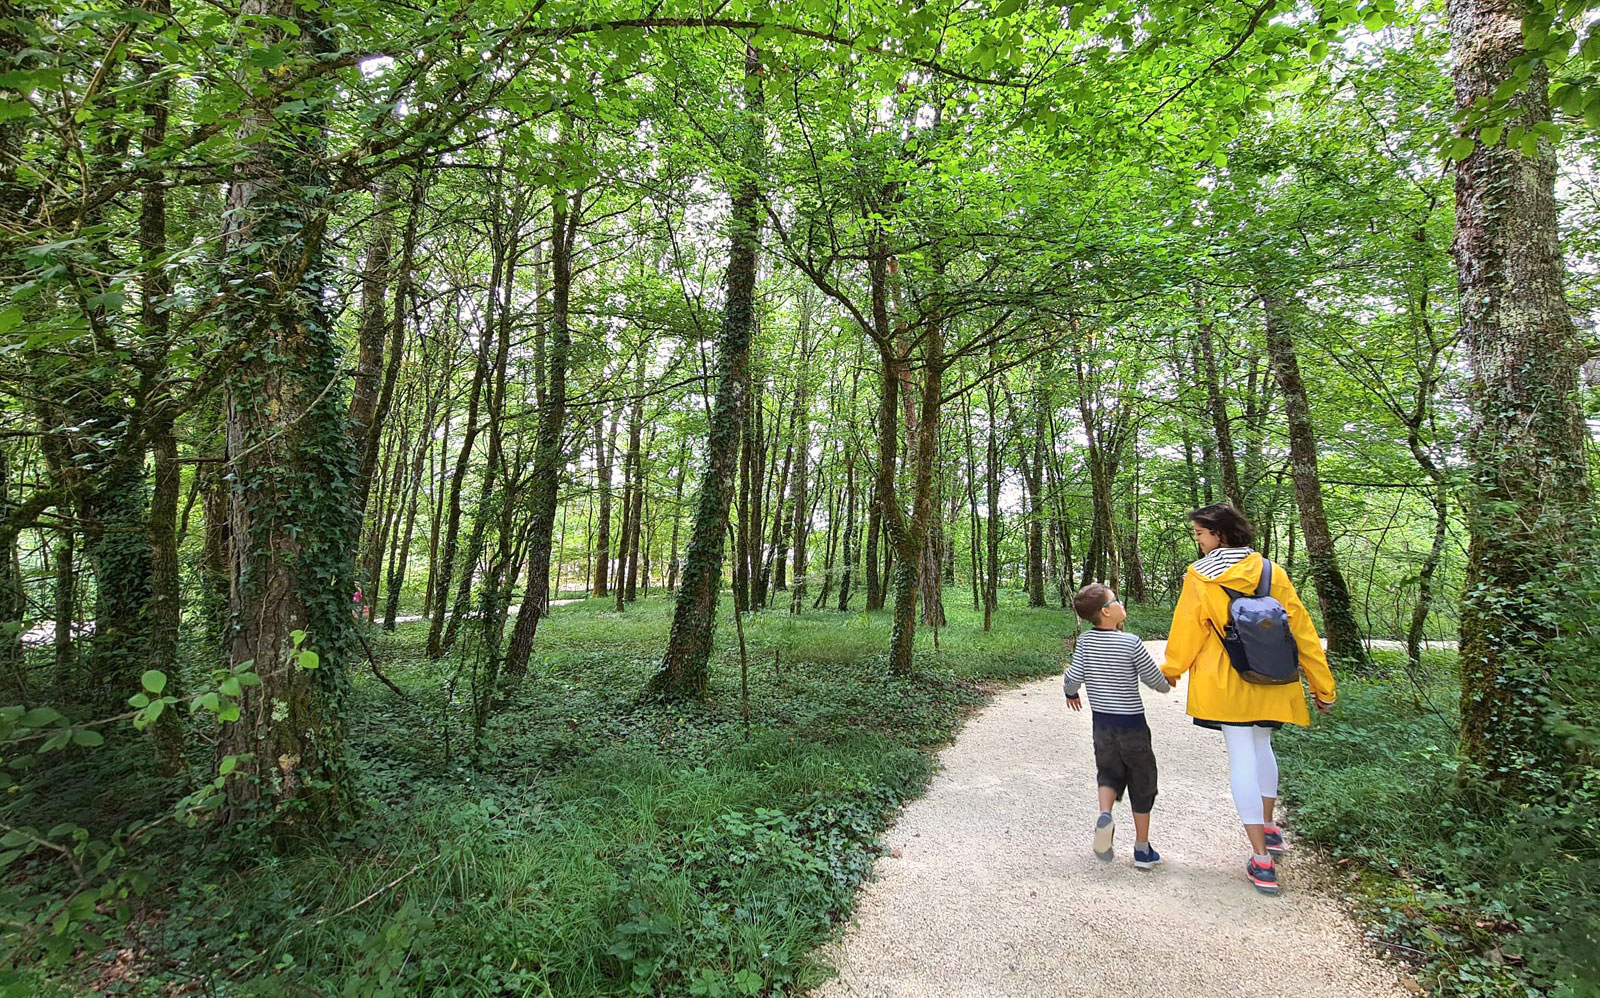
x=1276, y=846
x=1104, y=831
x=1145, y=857
x=1263, y=875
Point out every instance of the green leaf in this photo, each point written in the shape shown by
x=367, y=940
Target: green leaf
x=1461, y=148
x=231, y=687
x=154, y=680
x=308, y=659
x=1007, y=8
x=88, y=738
x=39, y=717
x=1490, y=136
x=228, y=764
x=1591, y=112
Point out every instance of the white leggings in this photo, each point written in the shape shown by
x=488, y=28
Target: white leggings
x=1252, y=770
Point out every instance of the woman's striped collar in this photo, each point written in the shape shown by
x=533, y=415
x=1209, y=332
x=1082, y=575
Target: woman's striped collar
x=1220, y=560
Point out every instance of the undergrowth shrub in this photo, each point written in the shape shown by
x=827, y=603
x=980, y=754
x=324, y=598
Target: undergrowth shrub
x=1486, y=897
x=593, y=842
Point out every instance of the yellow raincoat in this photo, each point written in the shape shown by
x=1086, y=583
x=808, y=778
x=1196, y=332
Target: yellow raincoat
x=1216, y=693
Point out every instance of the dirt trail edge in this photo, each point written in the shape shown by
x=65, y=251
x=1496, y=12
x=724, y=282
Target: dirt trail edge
x=989, y=887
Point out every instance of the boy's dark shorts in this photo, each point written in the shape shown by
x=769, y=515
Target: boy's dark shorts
x=1124, y=761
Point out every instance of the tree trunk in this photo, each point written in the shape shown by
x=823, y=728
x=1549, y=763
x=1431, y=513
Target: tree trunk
x=802, y=447
x=291, y=463
x=776, y=548
x=444, y=566
x=64, y=608
x=685, y=666
x=370, y=331
x=1217, y=408
x=1032, y=467
x=1528, y=496
x=495, y=494
x=13, y=602
x=544, y=488
x=875, y=596
x=991, y=588
x=849, y=554
x=604, y=447
x=1338, y=616
x=743, y=530
x=636, y=458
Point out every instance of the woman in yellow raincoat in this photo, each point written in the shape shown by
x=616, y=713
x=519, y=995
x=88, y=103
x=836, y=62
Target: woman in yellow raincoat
x=1245, y=713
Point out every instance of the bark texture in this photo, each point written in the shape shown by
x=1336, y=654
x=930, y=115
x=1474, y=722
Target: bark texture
x=1528, y=496
x=685, y=667
x=1333, y=594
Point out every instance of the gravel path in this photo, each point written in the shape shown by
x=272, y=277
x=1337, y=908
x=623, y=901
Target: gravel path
x=990, y=888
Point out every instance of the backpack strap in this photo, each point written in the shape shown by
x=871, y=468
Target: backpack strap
x=1264, y=587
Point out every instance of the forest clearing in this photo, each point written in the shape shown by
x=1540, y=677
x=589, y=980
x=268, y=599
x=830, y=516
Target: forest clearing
x=550, y=498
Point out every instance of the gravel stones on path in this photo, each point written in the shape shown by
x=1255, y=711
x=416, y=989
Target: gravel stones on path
x=989, y=888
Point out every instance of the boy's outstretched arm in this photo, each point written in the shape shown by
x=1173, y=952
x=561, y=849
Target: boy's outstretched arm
x=1150, y=673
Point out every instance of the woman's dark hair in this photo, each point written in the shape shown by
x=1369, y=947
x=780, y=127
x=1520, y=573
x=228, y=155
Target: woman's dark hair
x=1227, y=523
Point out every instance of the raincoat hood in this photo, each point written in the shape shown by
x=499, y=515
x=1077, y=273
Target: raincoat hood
x=1241, y=576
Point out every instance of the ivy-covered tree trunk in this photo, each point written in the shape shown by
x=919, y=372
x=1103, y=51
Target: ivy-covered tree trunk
x=1528, y=498
x=908, y=534
x=548, y=459
x=685, y=666
x=291, y=463
x=163, y=611
x=1333, y=595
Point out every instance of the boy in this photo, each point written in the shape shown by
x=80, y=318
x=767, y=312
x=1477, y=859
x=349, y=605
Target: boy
x=1113, y=662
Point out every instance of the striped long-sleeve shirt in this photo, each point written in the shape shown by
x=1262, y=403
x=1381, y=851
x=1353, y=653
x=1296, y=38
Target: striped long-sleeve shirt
x=1112, y=663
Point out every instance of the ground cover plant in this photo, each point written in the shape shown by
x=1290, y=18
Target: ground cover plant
x=1483, y=896
x=594, y=843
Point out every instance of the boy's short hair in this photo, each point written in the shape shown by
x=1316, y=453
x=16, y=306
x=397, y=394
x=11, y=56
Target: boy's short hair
x=1091, y=602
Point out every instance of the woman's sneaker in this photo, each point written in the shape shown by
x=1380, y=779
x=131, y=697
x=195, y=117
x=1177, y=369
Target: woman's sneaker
x=1145, y=857
x=1104, y=831
x=1263, y=875
x=1276, y=846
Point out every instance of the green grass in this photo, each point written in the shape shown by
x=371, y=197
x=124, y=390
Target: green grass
x=1483, y=898
x=596, y=843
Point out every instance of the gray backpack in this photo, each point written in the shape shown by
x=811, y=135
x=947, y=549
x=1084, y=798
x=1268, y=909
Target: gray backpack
x=1258, y=640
